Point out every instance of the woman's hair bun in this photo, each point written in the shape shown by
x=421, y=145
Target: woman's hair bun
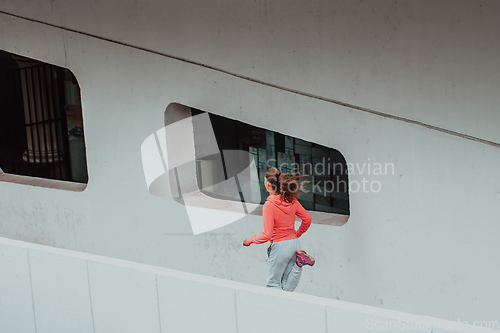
x=287, y=185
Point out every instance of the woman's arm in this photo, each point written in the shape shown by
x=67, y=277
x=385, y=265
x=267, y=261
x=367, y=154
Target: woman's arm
x=267, y=230
x=304, y=216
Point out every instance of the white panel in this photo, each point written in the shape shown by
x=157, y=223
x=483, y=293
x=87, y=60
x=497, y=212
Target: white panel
x=61, y=293
x=191, y=306
x=349, y=321
x=268, y=312
x=16, y=302
x=123, y=299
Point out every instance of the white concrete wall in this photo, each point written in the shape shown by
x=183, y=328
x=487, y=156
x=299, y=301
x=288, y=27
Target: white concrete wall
x=56, y=290
x=425, y=244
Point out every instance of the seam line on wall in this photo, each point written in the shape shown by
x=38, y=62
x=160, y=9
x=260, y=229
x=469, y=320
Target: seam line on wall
x=293, y=91
x=158, y=301
x=236, y=311
x=90, y=295
x=32, y=293
x=326, y=318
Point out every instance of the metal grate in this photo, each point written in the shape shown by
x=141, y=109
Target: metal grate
x=37, y=92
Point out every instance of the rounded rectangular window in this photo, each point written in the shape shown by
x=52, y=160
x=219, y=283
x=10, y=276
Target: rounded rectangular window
x=215, y=167
x=41, y=121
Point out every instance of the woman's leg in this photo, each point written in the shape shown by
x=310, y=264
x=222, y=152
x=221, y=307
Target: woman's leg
x=279, y=256
x=291, y=276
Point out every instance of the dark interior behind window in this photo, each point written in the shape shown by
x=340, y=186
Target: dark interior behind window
x=328, y=189
x=41, y=122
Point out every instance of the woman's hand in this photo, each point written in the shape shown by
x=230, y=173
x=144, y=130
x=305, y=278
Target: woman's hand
x=245, y=243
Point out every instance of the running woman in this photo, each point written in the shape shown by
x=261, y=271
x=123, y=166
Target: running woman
x=284, y=256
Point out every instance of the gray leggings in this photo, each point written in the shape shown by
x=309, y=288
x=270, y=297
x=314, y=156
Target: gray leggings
x=283, y=272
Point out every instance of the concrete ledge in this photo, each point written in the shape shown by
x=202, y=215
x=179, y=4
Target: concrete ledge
x=42, y=182
x=66, y=291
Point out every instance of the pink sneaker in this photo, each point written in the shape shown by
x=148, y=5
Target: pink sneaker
x=304, y=259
